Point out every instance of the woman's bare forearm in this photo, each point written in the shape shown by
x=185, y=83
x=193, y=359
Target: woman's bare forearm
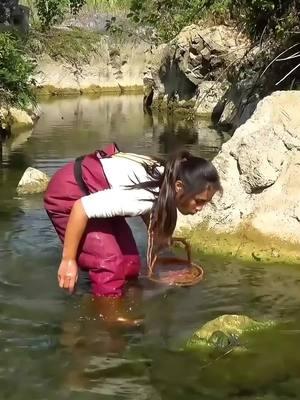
x=75, y=228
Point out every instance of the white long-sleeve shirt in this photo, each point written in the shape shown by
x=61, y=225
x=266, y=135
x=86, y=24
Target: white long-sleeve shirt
x=119, y=200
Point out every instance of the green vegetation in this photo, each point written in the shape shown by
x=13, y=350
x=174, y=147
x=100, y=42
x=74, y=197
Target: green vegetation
x=50, y=12
x=92, y=5
x=256, y=16
x=246, y=245
x=75, y=46
x=165, y=18
x=15, y=73
x=168, y=17
x=107, y=5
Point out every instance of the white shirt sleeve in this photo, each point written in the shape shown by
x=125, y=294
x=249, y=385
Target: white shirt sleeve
x=117, y=202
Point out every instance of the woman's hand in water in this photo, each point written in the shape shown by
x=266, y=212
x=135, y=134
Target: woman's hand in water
x=68, y=274
x=68, y=269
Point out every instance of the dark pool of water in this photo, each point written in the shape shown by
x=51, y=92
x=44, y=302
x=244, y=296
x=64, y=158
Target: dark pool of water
x=57, y=347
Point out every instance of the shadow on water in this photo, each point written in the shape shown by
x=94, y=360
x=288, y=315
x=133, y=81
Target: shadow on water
x=54, y=346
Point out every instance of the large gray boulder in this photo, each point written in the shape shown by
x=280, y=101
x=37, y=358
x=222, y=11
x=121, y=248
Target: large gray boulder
x=260, y=172
x=190, y=68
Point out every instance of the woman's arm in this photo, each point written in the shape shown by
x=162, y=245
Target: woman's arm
x=68, y=269
x=75, y=228
x=119, y=202
x=103, y=204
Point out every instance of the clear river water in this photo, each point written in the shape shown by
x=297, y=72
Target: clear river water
x=56, y=346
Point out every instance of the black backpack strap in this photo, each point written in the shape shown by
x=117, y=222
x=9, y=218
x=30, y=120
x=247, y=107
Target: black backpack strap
x=78, y=175
x=107, y=152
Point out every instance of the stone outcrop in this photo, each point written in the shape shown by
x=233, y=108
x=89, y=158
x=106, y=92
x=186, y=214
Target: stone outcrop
x=217, y=71
x=190, y=69
x=259, y=170
x=247, y=86
x=109, y=69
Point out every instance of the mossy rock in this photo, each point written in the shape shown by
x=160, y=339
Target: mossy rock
x=244, y=245
x=49, y=90
x=225, y=331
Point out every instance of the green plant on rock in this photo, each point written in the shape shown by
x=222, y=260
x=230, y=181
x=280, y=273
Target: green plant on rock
x=76, y=6
x=51, y=12
x=75, y=46
x=15, y=73
x=168, y=17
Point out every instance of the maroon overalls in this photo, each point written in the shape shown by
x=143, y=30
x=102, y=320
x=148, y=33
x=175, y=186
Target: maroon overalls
x=107, y=250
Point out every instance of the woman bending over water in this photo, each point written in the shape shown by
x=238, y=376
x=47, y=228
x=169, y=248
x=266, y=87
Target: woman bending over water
x=87, y=202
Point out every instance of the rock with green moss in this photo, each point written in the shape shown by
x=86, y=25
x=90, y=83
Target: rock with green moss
x=224, y=332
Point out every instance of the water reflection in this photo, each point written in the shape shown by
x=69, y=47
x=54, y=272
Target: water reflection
x=173, y=132
x=68, y=127
x=60, y=347
x=57, y=345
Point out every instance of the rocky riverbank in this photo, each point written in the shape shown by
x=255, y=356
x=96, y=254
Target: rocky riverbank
x=189, y=72
x=258, y=165
x=217, y=71
x=259, y=169
x=74, y=61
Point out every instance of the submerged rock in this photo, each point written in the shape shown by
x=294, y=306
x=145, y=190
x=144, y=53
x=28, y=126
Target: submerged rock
x=268, y=370
x=32, y=181
x=224, y=331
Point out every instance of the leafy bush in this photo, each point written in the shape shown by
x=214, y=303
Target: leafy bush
x=76, y=46
x=261, y=16
x=168, y=17
x=51, y=12
x=15, y=73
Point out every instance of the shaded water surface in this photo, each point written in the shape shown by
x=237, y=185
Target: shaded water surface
x=57, y=347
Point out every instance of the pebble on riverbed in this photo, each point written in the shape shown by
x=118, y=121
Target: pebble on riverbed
x=32, y=181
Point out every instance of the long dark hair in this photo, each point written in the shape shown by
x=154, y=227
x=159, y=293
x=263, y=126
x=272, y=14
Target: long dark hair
x=197, y=175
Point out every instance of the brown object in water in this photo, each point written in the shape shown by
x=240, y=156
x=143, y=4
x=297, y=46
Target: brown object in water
x=188, y=276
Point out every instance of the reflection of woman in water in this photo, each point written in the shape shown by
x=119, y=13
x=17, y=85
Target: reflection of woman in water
x=88, y=200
